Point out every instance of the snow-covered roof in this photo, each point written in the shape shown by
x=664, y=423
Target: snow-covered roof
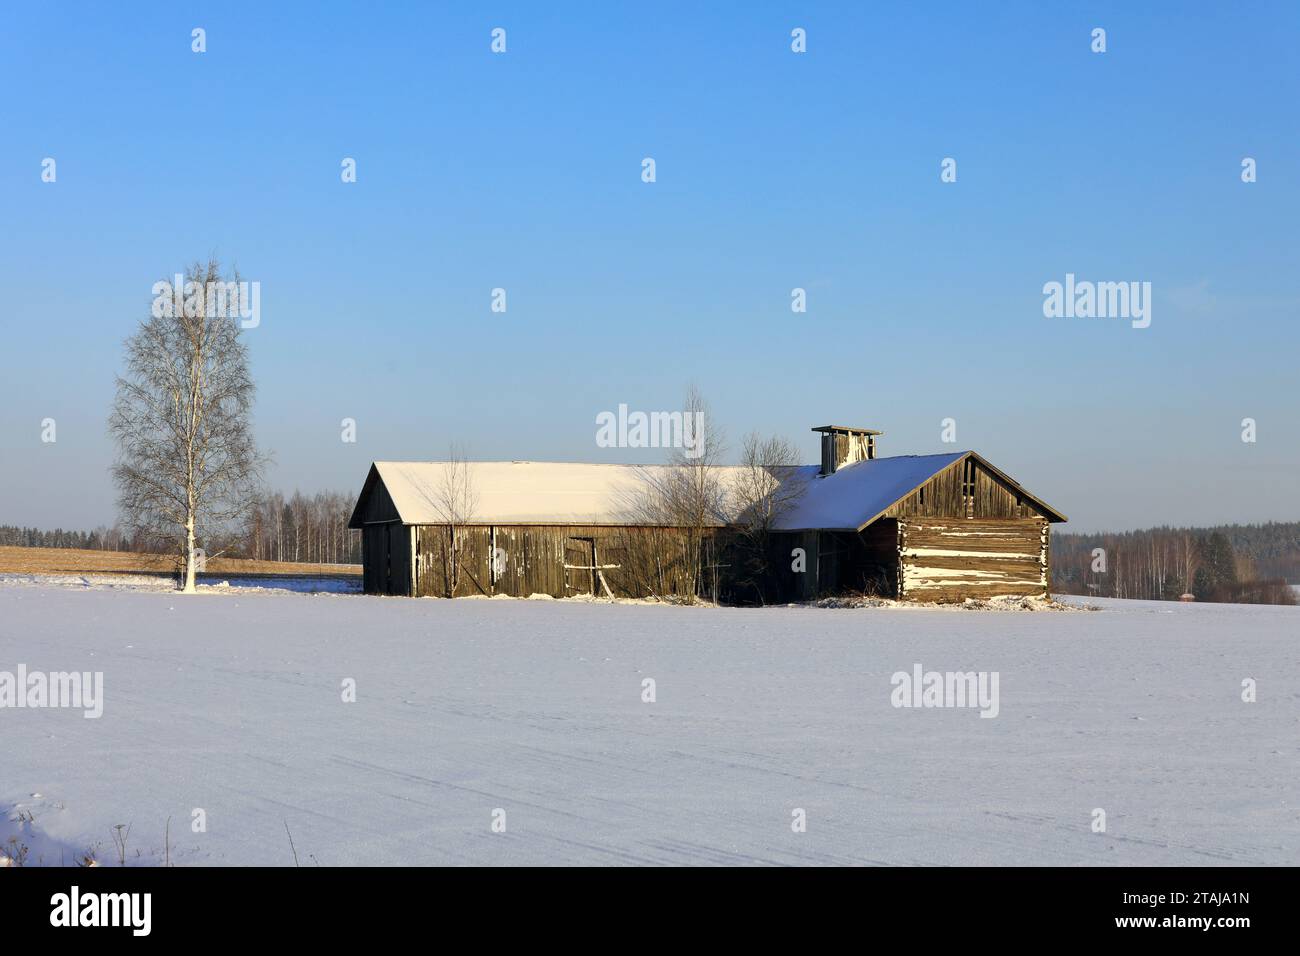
x=519, y=492
x=857, y=493
x=536, y=492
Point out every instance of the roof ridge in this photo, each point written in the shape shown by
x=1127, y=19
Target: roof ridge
x=529, y=461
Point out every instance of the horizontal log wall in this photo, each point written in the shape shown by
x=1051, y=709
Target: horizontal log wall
x=951, y=559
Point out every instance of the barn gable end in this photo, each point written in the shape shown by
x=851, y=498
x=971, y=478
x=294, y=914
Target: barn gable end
x=971, y=487
x=374, y=504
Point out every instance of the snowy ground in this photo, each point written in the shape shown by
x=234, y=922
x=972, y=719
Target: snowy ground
x=230, y=701
x=305, y=584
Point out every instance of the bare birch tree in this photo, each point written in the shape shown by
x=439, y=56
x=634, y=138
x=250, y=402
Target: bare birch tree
x=187, y=464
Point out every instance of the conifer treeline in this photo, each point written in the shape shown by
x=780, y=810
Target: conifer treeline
x=101, y=539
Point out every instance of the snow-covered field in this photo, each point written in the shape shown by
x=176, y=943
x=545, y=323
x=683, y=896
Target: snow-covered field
x=230, y=702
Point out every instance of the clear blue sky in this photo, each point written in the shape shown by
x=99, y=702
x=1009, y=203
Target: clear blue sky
x=775, y=171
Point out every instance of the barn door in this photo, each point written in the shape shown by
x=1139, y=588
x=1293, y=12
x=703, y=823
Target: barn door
x=579, y=566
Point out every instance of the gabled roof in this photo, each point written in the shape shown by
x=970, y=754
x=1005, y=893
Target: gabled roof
x=856, y=494
x=571, y=493
x=514, y=492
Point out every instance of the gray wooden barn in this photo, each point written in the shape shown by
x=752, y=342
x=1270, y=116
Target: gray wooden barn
x=917, y=527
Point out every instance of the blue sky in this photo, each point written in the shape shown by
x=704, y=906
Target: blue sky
x=775, y=170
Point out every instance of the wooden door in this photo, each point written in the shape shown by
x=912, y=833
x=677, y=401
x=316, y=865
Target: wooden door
x=579, y=566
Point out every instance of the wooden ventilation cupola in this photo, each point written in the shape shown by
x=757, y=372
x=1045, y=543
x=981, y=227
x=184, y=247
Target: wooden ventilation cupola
x=842, y=445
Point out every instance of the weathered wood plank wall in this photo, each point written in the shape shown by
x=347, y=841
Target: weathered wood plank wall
x=558, y=560
x=946, y=495
x=951, y=559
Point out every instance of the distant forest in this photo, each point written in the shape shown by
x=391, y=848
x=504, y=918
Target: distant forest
x=301, y=528
x=1249, y=564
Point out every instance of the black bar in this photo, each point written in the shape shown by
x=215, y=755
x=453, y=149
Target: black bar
x=974, y=906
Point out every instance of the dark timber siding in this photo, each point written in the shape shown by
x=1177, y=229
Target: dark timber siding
x=378, y=506
x=386, y=558
x=385, y=545
x=837, y=562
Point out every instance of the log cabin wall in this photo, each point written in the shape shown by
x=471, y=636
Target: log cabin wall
x=966, y=534
x=951, y=559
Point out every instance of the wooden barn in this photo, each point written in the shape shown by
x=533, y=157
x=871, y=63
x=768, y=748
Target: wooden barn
x=919, y=527
x=551, y=528
x=916, y=527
